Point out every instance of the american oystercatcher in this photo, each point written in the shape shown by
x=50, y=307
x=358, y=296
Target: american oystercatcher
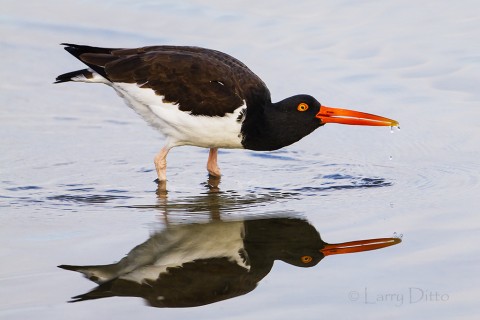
x=193, y=264
x=206, y=98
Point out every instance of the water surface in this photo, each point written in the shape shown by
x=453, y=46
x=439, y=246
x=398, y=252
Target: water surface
x=76, y=173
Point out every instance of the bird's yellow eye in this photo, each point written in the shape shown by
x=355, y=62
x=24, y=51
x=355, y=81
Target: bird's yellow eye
x=306, y=259
x=302, y=107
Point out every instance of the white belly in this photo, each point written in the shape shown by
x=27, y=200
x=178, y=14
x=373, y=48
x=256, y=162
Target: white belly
x=180, y=127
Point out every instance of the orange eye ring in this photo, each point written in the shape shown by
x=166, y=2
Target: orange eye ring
x=306, y=259
x=302, y=107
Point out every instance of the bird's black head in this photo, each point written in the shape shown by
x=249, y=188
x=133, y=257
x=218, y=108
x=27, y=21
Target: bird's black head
x=294, y=118
x=281, y=123
x=302, y=110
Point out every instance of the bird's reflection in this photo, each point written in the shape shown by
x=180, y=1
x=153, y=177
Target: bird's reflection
x=198, y=263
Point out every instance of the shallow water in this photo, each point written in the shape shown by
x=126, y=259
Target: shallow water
x=76, y=173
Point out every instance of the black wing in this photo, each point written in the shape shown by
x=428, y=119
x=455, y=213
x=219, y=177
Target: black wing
x=201, y=81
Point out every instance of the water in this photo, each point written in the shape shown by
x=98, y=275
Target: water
x=76, y=173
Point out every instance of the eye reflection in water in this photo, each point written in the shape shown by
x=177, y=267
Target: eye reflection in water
x=198, y=263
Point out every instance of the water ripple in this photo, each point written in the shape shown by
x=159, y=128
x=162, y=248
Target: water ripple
x=88, y=198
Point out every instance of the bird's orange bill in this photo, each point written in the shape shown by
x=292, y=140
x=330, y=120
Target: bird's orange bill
x=358, y=246
x=352, y=117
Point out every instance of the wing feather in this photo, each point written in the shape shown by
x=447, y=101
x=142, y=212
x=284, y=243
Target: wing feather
x=201, y=81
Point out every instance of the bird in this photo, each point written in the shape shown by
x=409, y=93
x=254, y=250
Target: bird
x=193, y=264
x=206, y=98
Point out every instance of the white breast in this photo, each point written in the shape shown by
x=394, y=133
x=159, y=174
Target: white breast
x=180, y=127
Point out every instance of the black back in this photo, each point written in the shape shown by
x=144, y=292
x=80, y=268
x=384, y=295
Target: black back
x=201, y=81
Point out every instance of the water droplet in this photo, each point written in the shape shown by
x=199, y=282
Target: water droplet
x=398, y=236
x=390, y=158
x=392, y=130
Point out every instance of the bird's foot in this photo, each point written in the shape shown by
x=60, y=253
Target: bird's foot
x=212, y=165
x=162, y=177
x=213, y=182
x=214, y=172
x=161, y=189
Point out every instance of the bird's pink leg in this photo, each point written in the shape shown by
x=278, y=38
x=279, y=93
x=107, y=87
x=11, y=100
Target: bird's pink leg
x=160, y=161
x=212, y=165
